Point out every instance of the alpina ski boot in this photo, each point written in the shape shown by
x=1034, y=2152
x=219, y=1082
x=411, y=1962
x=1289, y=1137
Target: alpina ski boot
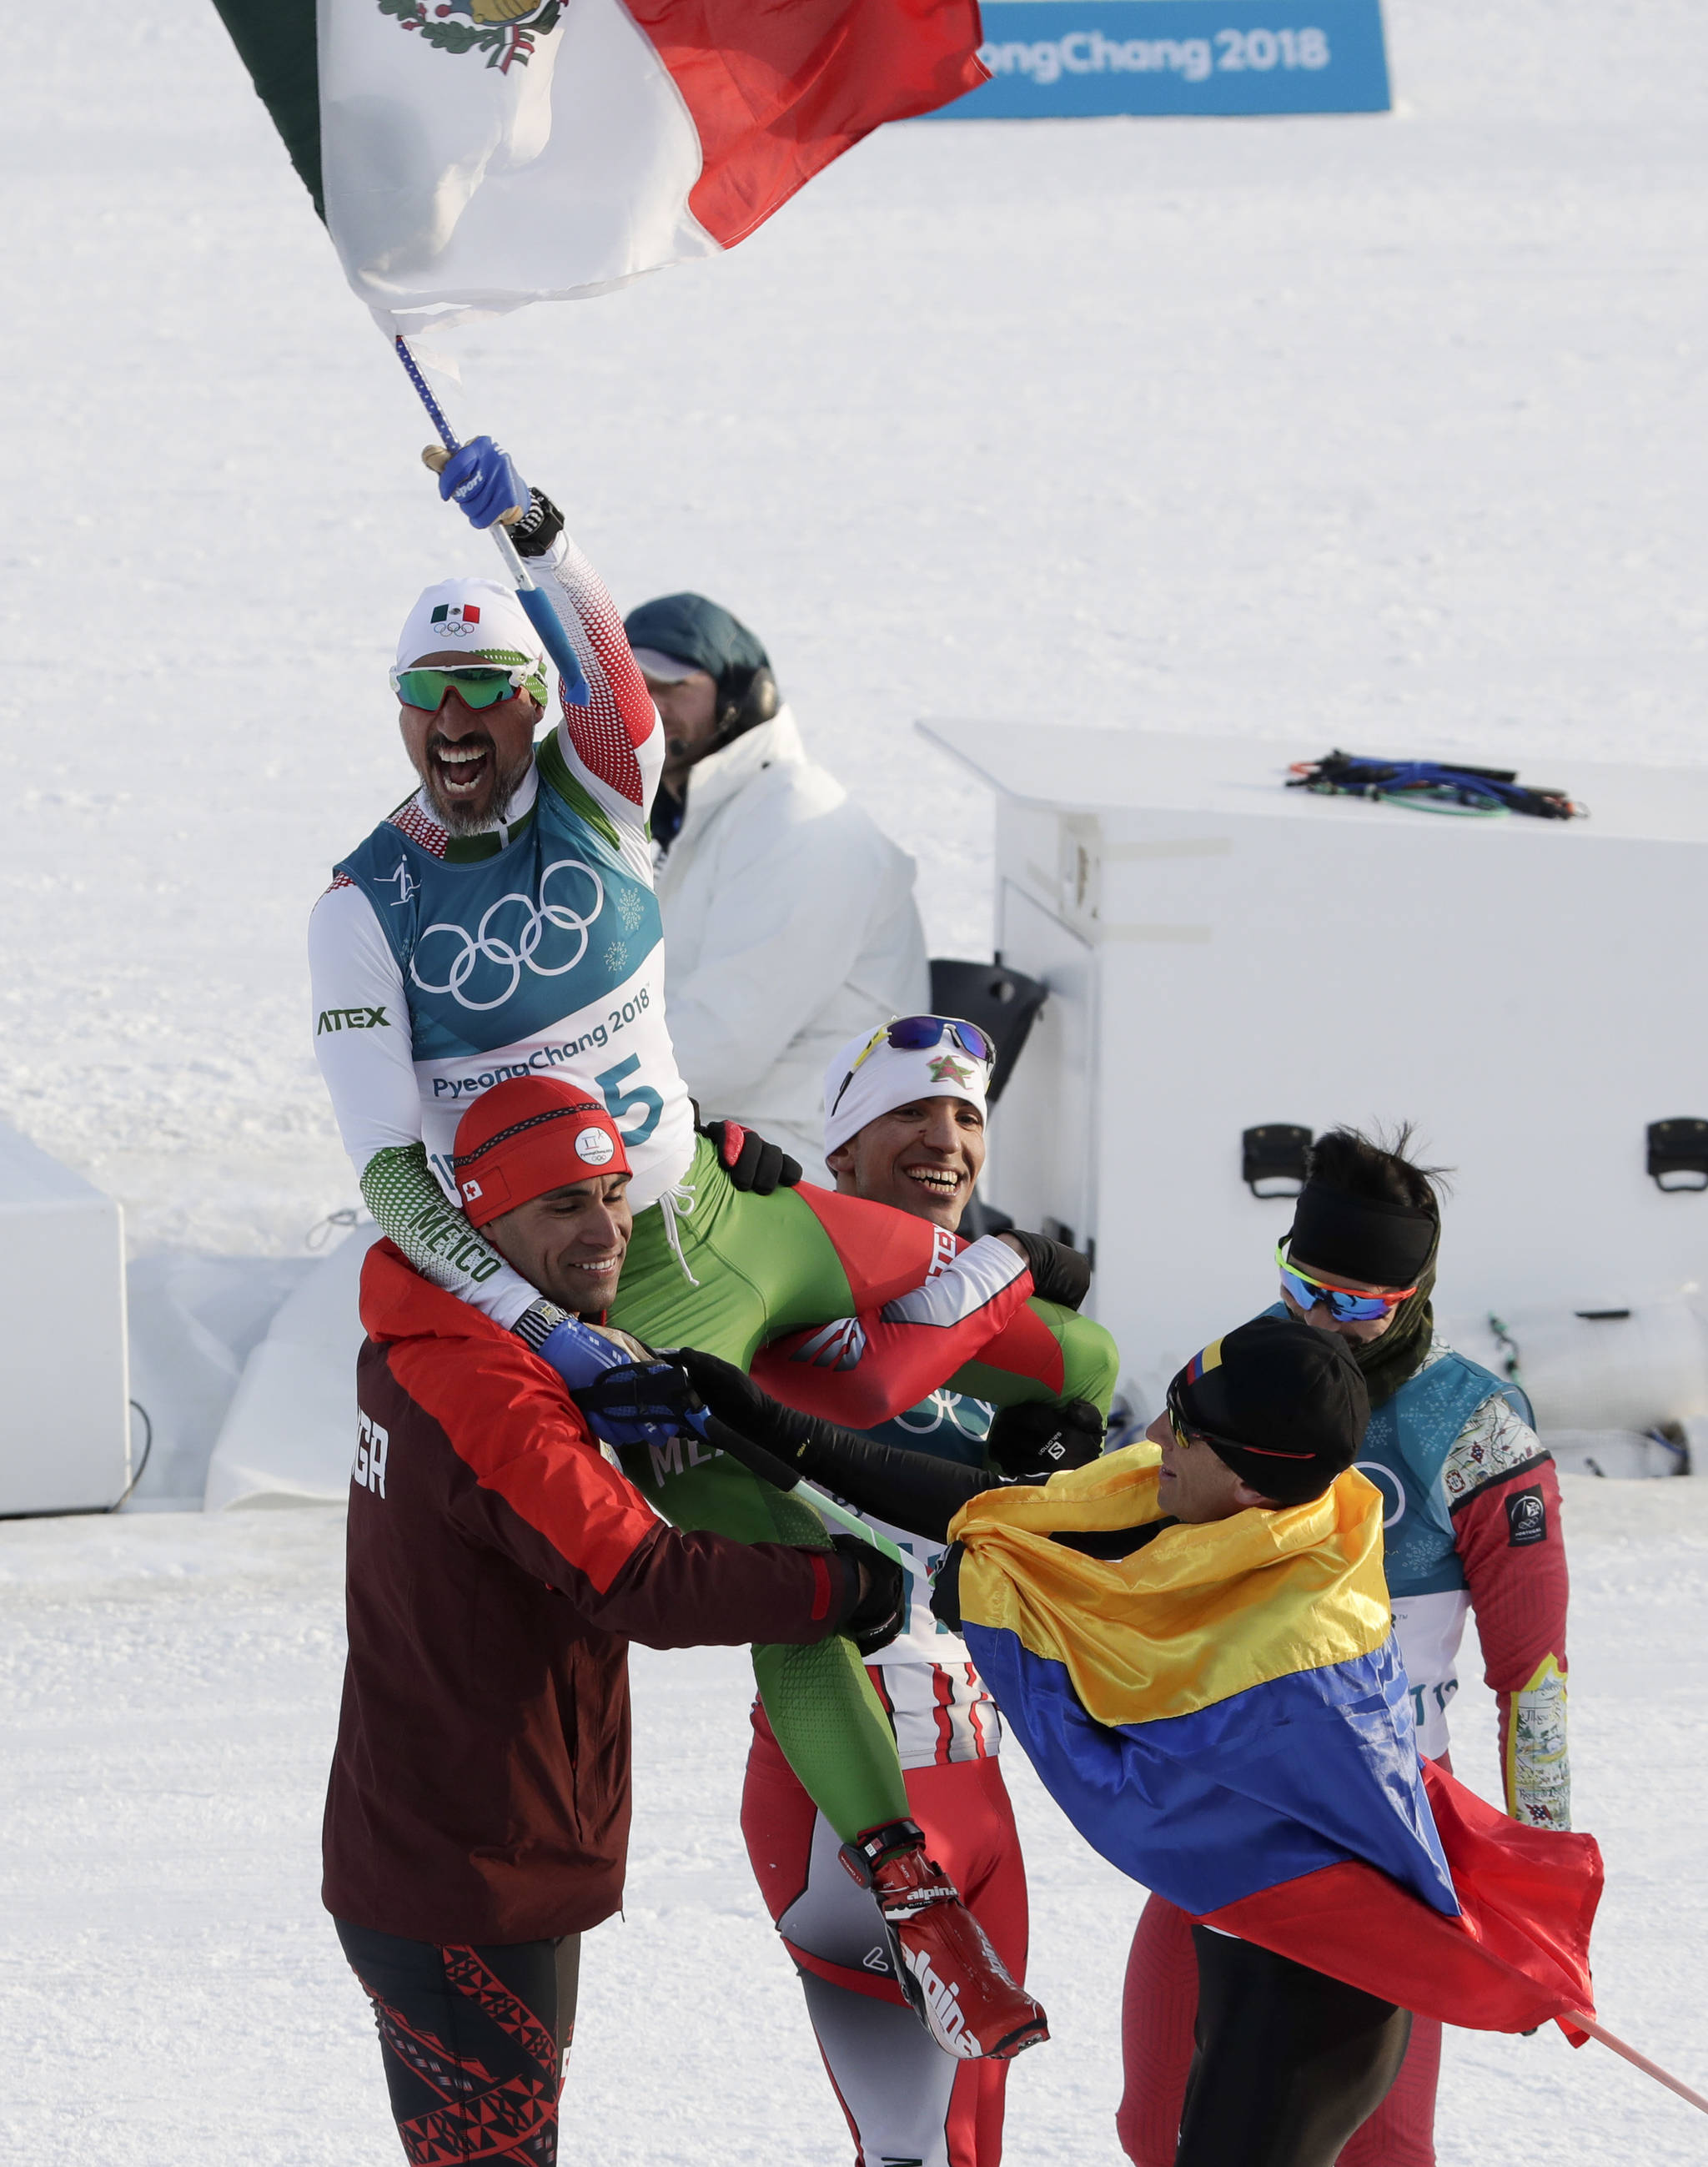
x=953, y=1979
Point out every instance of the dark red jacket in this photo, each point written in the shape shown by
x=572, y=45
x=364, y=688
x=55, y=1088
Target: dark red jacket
x=497, y=1568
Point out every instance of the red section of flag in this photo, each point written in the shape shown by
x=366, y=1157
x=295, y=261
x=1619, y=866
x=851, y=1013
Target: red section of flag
x=1519, y=1955
x=779, y=88
x=471, y=614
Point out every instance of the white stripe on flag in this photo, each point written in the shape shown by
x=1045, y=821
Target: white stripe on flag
x=455, y=189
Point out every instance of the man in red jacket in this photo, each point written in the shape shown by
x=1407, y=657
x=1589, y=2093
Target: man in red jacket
x=477, y=1817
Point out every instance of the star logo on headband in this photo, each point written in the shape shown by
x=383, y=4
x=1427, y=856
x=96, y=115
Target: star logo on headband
x=946, y=1069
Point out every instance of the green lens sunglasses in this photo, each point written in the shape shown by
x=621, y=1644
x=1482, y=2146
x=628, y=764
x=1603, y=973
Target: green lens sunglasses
x=482, y=685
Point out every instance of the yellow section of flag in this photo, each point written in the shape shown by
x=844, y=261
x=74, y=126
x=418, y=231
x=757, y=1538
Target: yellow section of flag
x=1199, y=1613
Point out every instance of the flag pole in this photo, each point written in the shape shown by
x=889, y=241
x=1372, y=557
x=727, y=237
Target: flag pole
x=782, y=1476
x=1638, y=2061
x=534, y=600
x=830, y=1510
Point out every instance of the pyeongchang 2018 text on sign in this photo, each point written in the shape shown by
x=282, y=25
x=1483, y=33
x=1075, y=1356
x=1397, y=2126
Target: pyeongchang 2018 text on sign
x=1055, y=59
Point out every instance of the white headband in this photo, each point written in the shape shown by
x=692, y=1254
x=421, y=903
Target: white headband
x=891, y=1077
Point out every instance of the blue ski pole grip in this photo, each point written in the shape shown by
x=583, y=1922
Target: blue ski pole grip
x=545, y=621
x=541, y=616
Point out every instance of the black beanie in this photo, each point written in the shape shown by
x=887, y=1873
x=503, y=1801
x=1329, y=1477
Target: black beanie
x=1281, y=1403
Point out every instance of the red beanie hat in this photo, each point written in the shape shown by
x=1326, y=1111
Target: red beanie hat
x=527, y=1134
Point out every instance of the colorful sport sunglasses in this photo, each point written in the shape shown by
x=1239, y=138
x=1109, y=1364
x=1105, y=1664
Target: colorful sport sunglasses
x=482, y=685
x=915, y=1034
x=1344, y=1304
x=1185, y=1433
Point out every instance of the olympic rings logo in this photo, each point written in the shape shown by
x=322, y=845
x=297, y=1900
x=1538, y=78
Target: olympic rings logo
x=932, y=1413
x=516, y=955
x=1389, y=1483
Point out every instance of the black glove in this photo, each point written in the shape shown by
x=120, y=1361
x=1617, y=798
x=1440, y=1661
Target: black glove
x=1059, y=1274
x=751, y=1163
x=916, y=1490
x=736, y=1400
x=881, y=1609
x=945, y=1589
x=1034, y=1442
x=539, y=526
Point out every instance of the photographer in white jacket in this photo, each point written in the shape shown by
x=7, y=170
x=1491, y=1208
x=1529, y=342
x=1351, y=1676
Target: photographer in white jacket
x=789, y=914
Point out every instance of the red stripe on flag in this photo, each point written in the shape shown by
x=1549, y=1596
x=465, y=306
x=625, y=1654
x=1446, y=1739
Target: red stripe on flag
x=1519, y=1955
x=777, y=88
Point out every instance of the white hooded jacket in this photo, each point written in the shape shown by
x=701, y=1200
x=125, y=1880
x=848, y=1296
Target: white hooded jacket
x=790, y=924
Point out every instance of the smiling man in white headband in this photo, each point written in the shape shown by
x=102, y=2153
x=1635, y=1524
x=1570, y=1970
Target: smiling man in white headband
x=905, y=1109
x=904, y=1124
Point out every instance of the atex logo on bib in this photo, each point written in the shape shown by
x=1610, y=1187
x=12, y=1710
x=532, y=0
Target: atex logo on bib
x=482, y=969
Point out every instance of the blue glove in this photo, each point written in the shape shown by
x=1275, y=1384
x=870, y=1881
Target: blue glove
x=579, y=1354
x=483, y=482
x=625, y=1402
x=641, y=1403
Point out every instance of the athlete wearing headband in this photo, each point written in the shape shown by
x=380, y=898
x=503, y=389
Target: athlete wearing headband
x=1351, y=1262
x=904, y=1124
x=1472, y=1523
x=904, y=1114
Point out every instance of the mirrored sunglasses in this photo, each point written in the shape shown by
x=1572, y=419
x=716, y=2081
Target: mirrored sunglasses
x=478, y=685
x=1345, y=1304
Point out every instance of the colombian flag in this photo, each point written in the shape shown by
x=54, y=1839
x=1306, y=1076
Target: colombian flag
x=1223, y=1713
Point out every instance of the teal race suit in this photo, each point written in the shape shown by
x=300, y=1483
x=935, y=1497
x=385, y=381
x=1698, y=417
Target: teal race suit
x=441, y=965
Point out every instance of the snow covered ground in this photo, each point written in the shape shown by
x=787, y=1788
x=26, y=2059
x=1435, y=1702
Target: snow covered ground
x=174, y=1996
x=1356, y=429
x=1362, y=429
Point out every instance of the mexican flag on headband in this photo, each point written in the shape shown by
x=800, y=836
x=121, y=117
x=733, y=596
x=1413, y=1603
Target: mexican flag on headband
x=469, y=157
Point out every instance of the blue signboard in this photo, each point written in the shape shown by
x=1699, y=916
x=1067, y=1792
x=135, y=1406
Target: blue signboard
x=1055, y=59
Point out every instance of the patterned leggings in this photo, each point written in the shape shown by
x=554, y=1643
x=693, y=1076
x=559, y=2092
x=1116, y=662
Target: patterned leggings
x=473, y=2041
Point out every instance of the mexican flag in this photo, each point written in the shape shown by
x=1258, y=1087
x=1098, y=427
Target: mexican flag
x=469, y=157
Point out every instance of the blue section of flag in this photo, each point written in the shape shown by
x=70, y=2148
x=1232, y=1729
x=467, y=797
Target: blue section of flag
x=1309, y=1770
x=1080, y=58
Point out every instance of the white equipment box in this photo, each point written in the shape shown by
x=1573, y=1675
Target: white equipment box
x=1225, y=953
x=65, y=1429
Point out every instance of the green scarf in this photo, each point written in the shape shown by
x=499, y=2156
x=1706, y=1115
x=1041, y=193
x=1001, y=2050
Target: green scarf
x=1388, y=1362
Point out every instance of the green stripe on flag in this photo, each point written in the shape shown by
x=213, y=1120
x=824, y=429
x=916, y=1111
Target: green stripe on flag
x=276, y=41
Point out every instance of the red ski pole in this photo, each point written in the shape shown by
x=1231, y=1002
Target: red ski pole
x=1639, y=2061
